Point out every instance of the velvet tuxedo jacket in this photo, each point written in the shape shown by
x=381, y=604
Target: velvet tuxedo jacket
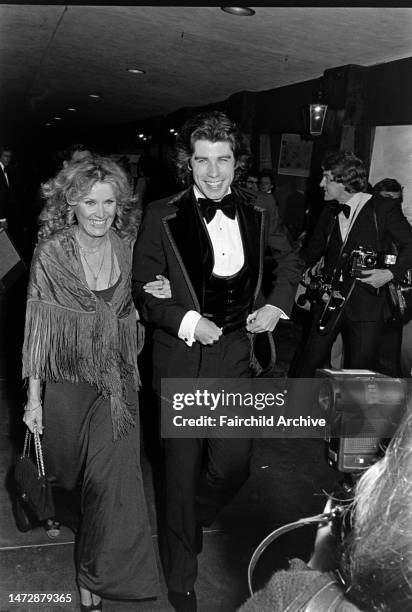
x=365, y=302
x=173, y=241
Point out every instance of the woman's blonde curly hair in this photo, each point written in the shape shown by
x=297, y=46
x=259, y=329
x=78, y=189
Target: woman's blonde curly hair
x=73, y=183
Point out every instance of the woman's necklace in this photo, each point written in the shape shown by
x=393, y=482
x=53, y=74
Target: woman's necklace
x=83, y=252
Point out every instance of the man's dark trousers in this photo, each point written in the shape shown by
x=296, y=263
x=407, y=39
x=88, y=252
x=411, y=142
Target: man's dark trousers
x=361, y=341
x=195, y=488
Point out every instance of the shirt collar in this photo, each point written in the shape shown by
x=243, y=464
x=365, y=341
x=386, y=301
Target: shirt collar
x=358, y=198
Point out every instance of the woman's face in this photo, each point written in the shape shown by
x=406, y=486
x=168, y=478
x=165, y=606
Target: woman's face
x=95, y=212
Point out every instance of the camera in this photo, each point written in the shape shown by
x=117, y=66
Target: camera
x=362, y=259
x=317, y=291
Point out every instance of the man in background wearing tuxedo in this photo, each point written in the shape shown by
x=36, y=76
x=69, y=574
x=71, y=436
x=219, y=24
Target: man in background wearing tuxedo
x=209, y=241
x=5, y=186
x=352, y=218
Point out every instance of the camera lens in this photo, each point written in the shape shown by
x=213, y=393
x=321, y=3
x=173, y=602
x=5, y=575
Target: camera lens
x=369, y=261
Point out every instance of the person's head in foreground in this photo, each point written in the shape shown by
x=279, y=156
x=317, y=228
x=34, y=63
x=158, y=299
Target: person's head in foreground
x=377, y=561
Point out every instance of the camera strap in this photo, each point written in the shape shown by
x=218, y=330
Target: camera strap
x=378, y=242
x=337, y=268
x=318, y=518
x=327, y=598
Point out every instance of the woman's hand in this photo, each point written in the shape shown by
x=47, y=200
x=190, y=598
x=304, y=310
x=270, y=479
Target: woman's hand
x=33, y=415
x=159, y=288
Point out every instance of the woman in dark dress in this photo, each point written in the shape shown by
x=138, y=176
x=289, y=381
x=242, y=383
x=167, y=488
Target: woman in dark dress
x=80, y=360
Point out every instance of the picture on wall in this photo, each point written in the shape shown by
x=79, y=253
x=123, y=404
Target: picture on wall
x=295, y=155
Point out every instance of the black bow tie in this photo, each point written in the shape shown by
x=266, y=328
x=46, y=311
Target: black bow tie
x=208, y=207
x=345, y=208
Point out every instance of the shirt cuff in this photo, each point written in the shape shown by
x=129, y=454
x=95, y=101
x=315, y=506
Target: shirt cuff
x=283, y=315
x=187, y=327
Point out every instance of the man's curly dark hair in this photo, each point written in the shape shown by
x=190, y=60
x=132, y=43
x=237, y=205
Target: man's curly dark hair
x=347, y=169
x=214, y=126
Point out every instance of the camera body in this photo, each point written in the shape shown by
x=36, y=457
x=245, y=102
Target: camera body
x=318, y=288
x=362, y=259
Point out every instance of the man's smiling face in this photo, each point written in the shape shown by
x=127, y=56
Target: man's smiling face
x=213, y=166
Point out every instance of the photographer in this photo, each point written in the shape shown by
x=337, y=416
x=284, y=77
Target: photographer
x=374, y=562
x=347, y=247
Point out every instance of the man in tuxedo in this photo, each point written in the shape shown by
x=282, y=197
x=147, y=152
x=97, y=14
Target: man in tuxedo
x=209, y=241
x=352, y=219
x=5, y=185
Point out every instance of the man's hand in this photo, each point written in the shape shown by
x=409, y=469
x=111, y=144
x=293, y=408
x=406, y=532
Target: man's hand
x=206, y=332
x=376, y=278
x=263, y=319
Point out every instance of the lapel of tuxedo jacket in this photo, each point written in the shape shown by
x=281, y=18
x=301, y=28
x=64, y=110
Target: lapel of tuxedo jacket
x=190, y=242
x=363, y=231
x=252, y=226
x=4, y=184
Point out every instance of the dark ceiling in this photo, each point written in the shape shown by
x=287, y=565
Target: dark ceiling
x=53, y=56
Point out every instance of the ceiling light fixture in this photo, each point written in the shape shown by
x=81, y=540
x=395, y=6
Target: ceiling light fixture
x=135, y=71
x=94, y=96
x=57, y=118
x=73, y=110
x=239, y=11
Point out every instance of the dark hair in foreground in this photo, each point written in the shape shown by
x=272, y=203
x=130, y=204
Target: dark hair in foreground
x=347, y=169
x=214, y=126
x=377, y=562
x=74, y=182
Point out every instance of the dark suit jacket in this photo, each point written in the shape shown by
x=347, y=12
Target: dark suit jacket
x=173, y=241
x=5, y=197
x=365, y=303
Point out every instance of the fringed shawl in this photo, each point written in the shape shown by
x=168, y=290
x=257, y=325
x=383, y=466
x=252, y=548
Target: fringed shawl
x=73, y=335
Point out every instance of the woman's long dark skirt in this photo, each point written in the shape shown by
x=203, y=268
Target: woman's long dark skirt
x=114, y=551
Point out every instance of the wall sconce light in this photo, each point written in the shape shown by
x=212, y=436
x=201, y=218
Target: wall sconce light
x=317, y=114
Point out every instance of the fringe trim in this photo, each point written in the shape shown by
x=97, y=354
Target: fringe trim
x=96, y=347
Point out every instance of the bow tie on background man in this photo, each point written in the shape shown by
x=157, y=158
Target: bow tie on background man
x=208, y=207
x=345, y=208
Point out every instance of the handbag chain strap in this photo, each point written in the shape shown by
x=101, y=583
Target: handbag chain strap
x=39, y=453
x=37, y=448
x=27, y=443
